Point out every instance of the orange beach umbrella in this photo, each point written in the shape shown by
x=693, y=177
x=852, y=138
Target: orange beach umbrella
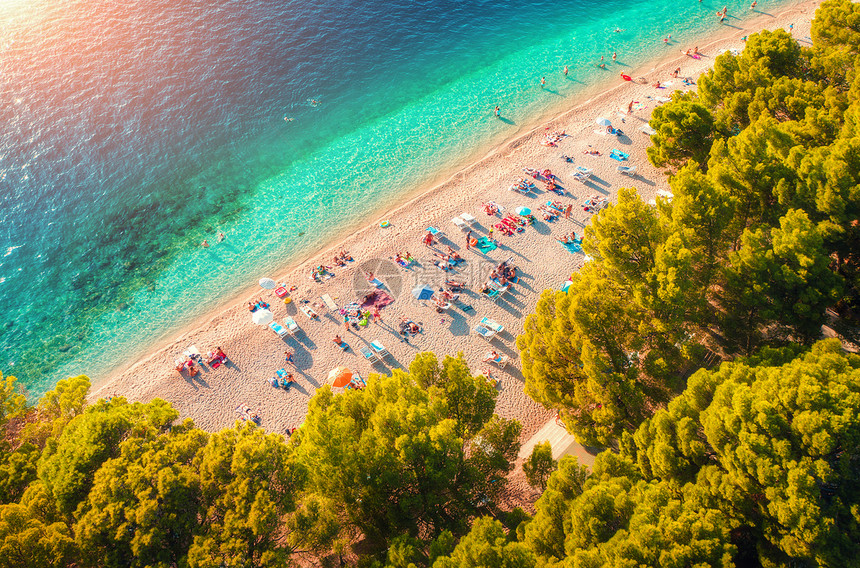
x=339, y=377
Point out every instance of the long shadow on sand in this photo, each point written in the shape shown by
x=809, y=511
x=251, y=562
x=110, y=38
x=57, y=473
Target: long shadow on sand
x=541, y=228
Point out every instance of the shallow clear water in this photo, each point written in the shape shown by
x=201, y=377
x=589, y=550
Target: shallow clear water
x=132, y=131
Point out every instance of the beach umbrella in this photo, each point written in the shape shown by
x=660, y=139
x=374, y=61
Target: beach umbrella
x=262, y=317
x=566, y=286
x=268, y=283
x=603, y=121
x=339, y=377
x=523, y=210
x=423, y=292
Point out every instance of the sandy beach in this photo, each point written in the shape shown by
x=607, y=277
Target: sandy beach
x=256, y=352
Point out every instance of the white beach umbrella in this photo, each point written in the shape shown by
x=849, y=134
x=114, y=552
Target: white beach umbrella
x=603, y=121
x=262, y=317
x=268, y=283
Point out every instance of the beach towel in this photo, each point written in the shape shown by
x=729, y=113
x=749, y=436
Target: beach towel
x=573, y=247
x=485, y=245
x=215, y=364
x=378, y=299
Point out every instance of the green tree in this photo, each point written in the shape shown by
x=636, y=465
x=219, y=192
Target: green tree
x=395, y=458
x=545, y=534
x=12, y=402
x=150, y=518
x=250, y=483
x=487, y=546
x=782, y=280
x=685, y=131
x=539, y=465
x=69, y=463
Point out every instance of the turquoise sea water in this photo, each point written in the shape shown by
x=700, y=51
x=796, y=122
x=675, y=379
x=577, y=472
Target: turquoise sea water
x=132, y=131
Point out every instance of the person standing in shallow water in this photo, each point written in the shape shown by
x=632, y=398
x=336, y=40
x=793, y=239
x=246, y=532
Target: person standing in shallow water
x=565, y=70
x=497, y=111
x=542, y=82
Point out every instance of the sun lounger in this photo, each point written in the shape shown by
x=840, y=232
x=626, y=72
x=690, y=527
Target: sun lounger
x=329, y=303
x=648, y=130
x=460, y=223
x=626, y=170
x=437, y=233
x=492, y=324
x=309, y=311
x=579, y=176
x=278, y=328
x=583, y=170
x=491, y=295
x=292, y=326
x=369, y=355
x=484, y=332
x=379, y=348
x=500, y=360
x=469, y=218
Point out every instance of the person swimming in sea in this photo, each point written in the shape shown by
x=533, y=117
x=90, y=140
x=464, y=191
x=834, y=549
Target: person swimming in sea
x=288, y=119
x=565, y=70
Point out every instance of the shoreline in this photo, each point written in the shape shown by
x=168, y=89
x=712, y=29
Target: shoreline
x=228, y=325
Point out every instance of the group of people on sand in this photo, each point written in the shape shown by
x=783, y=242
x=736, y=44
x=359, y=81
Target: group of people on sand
x=216, y=358
x=409, y=327
x=448, y=260
x=503, y=275
x=569, y=239
x=404, y=260
x=259, y=305
x=246, y=414
x=341, y=258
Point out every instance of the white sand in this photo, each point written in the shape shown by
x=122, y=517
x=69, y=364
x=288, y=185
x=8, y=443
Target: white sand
x=256, y=352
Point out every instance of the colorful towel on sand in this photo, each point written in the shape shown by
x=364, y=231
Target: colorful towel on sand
x=485, y=245
x=573, y=247
x=378, y=299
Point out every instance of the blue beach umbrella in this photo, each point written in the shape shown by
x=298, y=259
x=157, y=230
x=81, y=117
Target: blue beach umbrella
x=523, y=210
x=422, y=292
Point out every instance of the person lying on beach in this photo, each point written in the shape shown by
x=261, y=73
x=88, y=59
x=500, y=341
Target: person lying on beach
x=345, y=256
x=252, y=307
x=409, y=326
x=339, y=261
x=493, y=357
x=455, y=286
x=450, y=296
x=591, y=152
x=453, y=254
x=337, y=339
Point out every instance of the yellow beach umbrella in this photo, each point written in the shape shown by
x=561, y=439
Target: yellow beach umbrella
x=339, y=377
